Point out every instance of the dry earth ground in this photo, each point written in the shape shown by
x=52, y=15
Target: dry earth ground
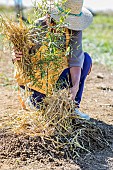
x=97, y=102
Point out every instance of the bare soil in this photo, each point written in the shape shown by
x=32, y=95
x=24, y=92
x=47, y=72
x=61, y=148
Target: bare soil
x=25, y=153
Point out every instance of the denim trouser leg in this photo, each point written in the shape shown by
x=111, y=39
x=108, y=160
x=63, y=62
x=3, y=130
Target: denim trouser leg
x=84, y=72
x=65, y=78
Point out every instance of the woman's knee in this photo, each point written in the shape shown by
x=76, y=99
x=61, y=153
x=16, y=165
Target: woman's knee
x=88, y=59
x=87, y=62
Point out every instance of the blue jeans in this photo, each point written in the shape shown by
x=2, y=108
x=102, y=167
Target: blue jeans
x=65, y=81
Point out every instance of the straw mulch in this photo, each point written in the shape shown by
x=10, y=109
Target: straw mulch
x=59, y=131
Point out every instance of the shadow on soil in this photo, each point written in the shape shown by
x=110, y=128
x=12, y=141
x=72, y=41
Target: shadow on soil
x=99, y=159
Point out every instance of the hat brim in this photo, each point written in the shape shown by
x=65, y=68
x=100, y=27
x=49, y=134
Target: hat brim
x=74, y=22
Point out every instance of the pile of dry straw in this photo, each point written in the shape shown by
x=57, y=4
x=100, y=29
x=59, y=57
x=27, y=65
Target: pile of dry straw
x=19, y=35
x=59, y=129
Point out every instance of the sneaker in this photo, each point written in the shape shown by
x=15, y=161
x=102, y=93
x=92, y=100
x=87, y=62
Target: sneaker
x=82, y=115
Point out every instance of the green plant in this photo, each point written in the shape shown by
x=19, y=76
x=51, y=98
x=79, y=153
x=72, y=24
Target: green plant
x=43, y=66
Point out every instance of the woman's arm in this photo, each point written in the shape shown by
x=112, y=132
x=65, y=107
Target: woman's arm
x=75, y=76
x=76, y=59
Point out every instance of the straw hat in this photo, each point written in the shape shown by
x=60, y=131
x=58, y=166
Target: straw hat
x=77, y=17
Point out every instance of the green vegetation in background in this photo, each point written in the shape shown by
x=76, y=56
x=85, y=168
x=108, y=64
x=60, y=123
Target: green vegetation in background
x=7, y=9
x=8, y=12
x=98, y=41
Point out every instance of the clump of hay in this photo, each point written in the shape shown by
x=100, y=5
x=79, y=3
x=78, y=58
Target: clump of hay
x=59, y=129
x=19, y=35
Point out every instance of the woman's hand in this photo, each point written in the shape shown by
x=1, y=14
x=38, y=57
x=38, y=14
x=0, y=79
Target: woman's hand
x=73, y=91
x=17, y=55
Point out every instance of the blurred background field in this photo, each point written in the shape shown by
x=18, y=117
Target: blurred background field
x=98, y=39
x=93, y=4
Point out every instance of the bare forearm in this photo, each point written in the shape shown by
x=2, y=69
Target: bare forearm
x=75, y=75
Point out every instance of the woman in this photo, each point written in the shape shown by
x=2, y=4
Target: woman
x=79, y=63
